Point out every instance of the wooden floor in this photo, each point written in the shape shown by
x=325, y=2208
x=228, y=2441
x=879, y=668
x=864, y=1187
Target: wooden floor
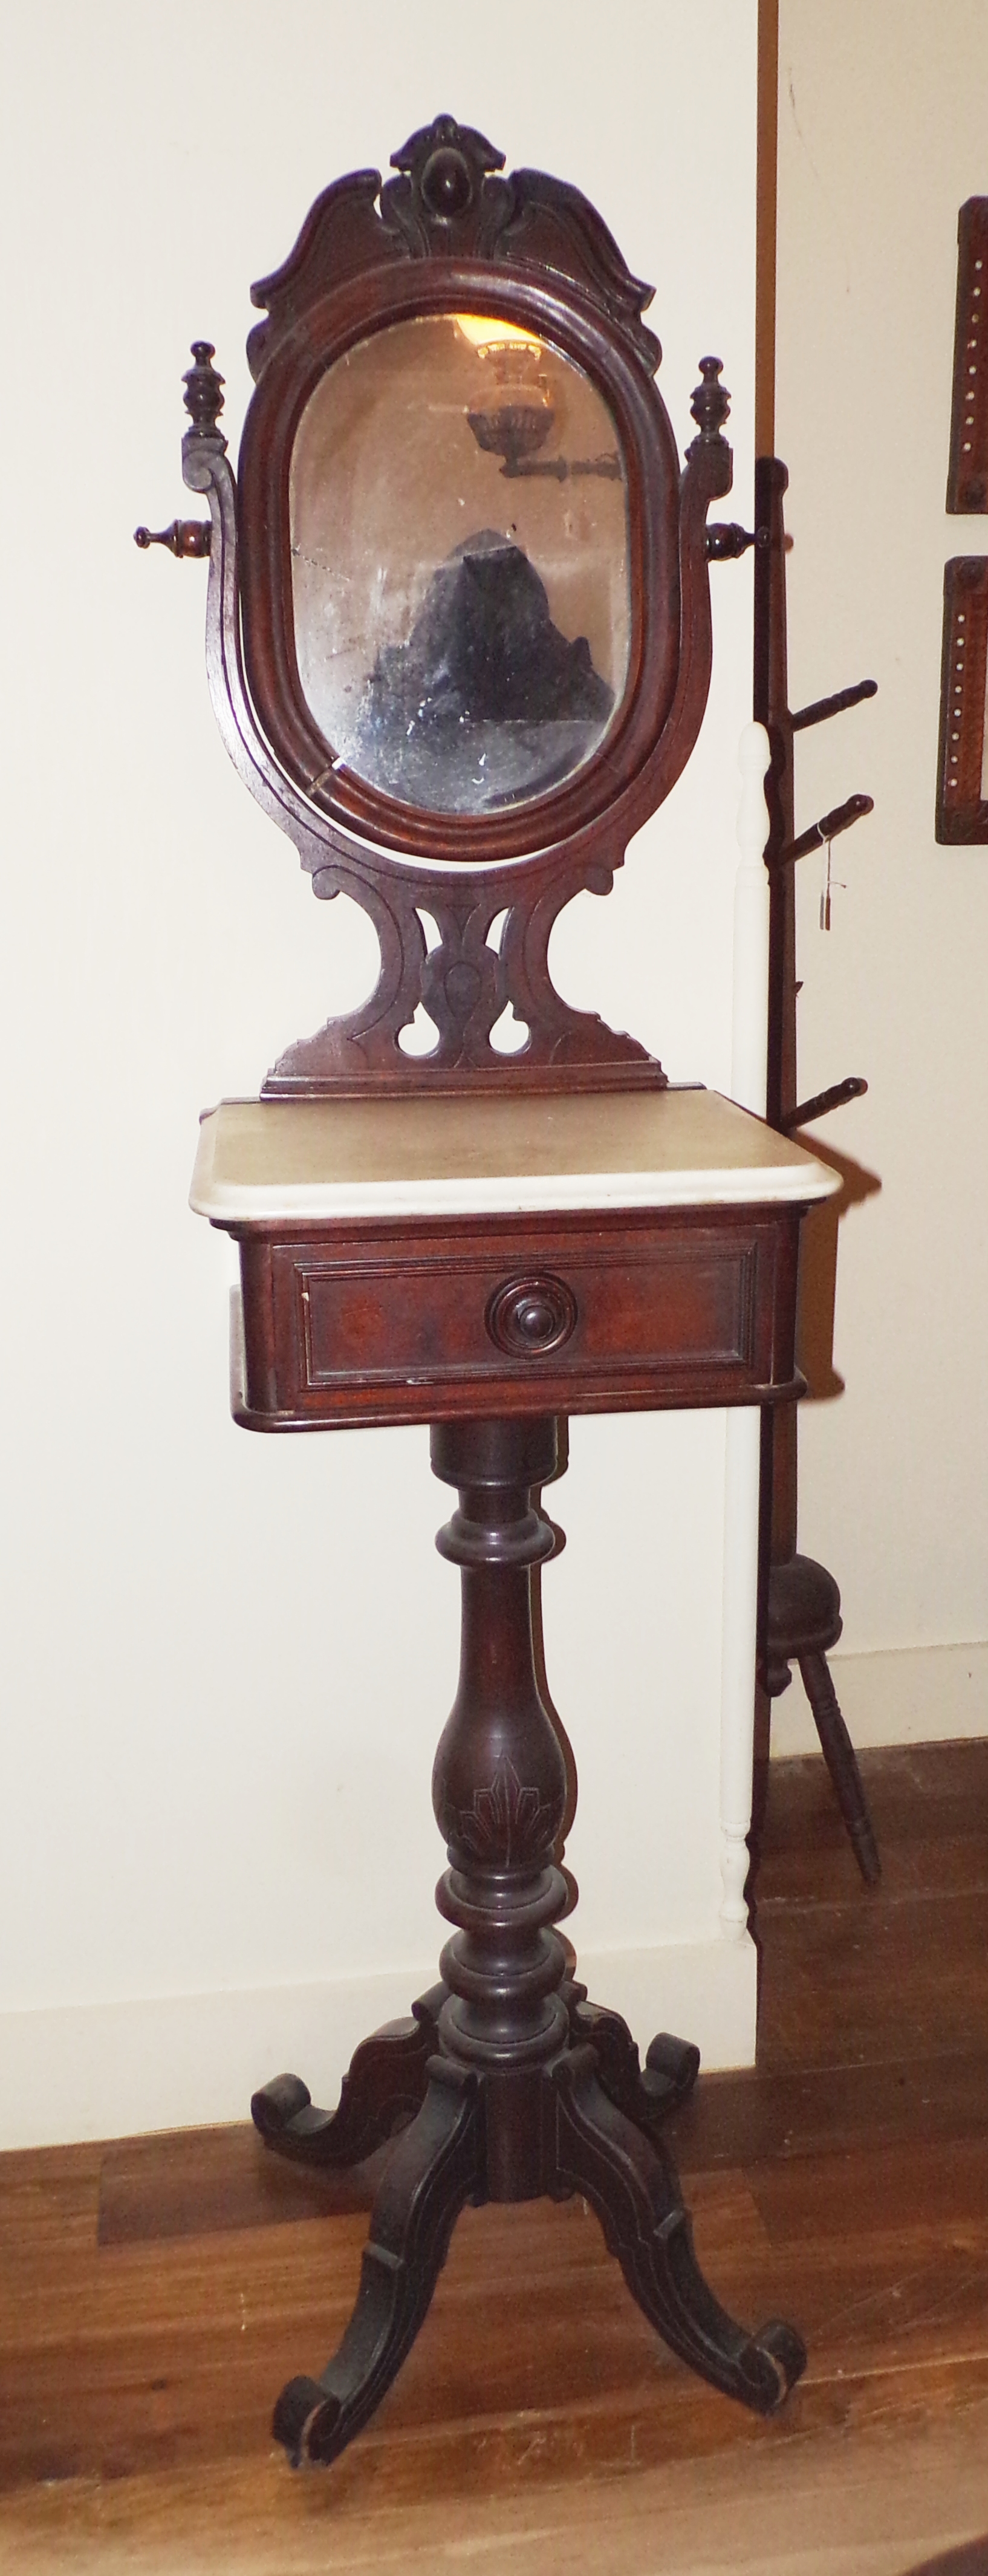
x=156, y=2293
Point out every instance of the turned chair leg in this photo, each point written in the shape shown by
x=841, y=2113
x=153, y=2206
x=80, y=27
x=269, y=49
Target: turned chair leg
x=803, y=1622
x=842, y=1763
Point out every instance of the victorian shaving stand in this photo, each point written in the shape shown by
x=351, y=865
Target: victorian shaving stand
x=459, y=685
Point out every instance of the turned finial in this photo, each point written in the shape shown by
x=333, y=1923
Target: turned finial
x=710, y=401
x=444, y=166
x=203, y=396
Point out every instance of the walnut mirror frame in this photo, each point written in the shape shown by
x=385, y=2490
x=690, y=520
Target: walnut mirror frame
x=463, y=900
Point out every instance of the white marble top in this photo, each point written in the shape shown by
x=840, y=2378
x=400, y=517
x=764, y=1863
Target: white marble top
x=312, y=1160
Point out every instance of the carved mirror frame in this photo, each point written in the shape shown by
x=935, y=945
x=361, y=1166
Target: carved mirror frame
x=449, y=235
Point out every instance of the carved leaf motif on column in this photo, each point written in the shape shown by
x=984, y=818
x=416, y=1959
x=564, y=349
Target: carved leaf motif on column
x=505, y=1823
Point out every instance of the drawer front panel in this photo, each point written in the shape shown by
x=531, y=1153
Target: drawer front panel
x=411, y=1323
x=390, y=1324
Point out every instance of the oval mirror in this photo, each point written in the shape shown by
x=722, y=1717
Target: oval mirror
x=460, y=563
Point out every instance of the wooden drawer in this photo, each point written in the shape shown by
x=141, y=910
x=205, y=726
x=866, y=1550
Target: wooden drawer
x=420, y=1321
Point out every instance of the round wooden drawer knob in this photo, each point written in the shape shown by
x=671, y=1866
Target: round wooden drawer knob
x=530, y=1317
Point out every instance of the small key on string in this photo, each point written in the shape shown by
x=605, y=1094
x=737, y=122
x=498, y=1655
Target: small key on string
x=828, y=882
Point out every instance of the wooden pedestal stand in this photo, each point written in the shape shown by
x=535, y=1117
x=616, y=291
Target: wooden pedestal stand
x=494, y=1325
x=513, y=2085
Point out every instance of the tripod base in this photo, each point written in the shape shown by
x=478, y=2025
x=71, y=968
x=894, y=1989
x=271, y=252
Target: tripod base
x=587, y=2121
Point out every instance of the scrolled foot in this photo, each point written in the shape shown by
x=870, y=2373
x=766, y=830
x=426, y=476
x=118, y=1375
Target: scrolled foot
x=674, y=2065
x=277, y=2104
x=645, y=2094
x=382, y=2091
x=436, y=2167
x=630, y=2182
x=302, y=2414
x=785, y=2349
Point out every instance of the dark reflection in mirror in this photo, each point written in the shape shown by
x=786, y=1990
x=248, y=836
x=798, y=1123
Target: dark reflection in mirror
x=486, y=694
x=460, y=563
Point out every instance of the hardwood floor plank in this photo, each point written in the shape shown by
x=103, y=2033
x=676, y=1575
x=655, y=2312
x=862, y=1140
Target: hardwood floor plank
x=860, y=2197
x=754, y=2117
x=848, y=2501
x=196, y=2182
x=49, y=2201
x=824, y=1965
x=929, y=1803
x=161, y=2351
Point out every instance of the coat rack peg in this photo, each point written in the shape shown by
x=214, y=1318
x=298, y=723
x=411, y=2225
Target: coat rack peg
x=820, y=708
x=835, y=1096
x=826, y=829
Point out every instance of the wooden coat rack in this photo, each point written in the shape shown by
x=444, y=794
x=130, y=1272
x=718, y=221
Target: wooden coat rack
x=801, y=1601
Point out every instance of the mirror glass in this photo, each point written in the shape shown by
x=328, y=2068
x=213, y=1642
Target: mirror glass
x=460, y=563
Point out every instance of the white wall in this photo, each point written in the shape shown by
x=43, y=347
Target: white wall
x=883, y=114
x=228, y=1659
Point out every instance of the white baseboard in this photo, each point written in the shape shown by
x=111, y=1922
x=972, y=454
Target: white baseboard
x=183, y=2061
x=906, y=1695
x=701, y=1990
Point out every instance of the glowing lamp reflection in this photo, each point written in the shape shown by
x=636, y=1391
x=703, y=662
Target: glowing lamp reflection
x=487, y=331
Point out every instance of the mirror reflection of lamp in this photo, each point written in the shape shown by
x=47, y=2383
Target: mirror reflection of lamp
x=517, y=414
